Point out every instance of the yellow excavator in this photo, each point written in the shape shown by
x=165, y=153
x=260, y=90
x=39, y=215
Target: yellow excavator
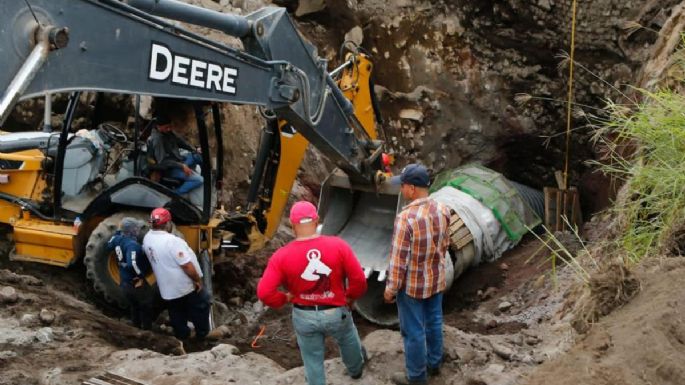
x=63, y=193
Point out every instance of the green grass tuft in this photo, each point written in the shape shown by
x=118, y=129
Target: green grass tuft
x=647, y=151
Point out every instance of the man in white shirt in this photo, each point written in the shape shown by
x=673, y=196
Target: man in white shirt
x=179, y=277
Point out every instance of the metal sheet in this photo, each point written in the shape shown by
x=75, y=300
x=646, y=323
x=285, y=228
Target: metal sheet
x=369, y=229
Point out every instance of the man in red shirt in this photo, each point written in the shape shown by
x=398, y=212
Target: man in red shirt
x=313, y=269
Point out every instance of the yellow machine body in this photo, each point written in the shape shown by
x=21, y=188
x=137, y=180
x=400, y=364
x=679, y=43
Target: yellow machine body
x=35, y=240
x=41, y=241
x=355, y=84
x=293, y=148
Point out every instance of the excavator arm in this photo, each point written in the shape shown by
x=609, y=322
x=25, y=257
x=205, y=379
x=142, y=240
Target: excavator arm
x=49, y=46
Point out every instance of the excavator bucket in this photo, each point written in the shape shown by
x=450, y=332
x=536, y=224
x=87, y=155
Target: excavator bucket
x=364, y=217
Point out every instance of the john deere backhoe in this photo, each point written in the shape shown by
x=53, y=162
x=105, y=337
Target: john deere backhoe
x=62, y=200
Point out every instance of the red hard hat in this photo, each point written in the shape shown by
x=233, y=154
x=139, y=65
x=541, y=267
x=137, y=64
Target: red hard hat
x=160, y=216
x=385, y=159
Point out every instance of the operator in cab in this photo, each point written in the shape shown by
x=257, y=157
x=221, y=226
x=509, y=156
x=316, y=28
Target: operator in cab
x=165, y=158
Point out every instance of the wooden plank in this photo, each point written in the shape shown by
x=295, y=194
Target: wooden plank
x=557, y=214
x=548, y=192
x=578, y=213
x=110, y=378
x=559, y=176
x=560, y=204
x=95, y=381
x=565, y=210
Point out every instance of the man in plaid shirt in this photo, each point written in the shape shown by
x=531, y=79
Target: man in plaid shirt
x=416, y=275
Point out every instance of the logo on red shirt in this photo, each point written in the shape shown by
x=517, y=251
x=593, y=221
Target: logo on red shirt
x=316, y=271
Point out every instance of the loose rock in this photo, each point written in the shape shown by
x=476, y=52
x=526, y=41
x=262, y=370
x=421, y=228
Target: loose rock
x=412, y=114
x=224, y=350
x=44, y=335
x=502, y=351
x=46, y=316
x=28, y=320
x=7, y=354
x=8, y=295
x=355, y=35
x=504, y=306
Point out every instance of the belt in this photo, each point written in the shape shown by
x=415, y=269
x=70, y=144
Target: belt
x=315, y=307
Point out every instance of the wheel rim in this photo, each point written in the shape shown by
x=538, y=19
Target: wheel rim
x=113, y=268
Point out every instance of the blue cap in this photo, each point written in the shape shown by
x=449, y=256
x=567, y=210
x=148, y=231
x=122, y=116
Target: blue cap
x=413, y=174
x=129, y=226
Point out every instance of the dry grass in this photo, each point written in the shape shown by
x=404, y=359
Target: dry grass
x=609, y=288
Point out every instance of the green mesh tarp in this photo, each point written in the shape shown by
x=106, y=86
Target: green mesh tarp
x=495, y=192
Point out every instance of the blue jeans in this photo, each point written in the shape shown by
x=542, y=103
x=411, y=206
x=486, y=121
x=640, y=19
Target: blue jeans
x=190, y=182
x=312, y=327
x=421, y=328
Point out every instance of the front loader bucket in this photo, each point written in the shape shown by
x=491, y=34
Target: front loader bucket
x=364, y=217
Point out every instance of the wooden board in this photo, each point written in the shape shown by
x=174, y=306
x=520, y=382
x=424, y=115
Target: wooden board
x=110, y=378
x=562, y=206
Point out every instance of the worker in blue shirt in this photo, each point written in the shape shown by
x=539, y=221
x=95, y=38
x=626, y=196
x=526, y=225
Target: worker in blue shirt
x=133, y=267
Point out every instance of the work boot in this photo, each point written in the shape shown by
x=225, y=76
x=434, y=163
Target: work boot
x=432, y=372
x=365, y=358
x=217, y=333
x=399, y=378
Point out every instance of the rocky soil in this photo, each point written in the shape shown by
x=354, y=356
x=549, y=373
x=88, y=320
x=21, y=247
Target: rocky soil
x=501, y=322
x=506, y=323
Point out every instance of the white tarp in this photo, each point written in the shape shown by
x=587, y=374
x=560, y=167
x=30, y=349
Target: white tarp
x=489, y=239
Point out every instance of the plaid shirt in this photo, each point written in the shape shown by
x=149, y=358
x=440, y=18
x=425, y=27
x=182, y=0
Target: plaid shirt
x=419, y=247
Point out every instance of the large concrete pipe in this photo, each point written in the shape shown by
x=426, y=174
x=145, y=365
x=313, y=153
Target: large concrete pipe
x=364, y=217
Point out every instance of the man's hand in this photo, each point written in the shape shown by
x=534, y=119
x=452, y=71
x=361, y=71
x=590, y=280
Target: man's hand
x=187, y=170
x=198, y=286
x=289, y=296
x=349, y=302
x=138, y=282
x=388, y=296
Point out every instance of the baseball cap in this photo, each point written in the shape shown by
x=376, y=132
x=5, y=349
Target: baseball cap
x=413, y=174
x=129, y=226
x=160, y=216
x=162, y=119
x=303, y=212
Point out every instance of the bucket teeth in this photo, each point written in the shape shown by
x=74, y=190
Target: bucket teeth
x=367, y=272
x=381, y=275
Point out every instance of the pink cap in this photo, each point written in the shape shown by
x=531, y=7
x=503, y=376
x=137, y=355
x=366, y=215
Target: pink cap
x=303, y=212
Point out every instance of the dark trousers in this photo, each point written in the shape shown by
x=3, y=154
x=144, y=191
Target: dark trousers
x=193, y=307
x=140, y=303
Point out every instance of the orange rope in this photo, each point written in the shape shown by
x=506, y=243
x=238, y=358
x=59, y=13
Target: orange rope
x=570, y=94
x=257, y=337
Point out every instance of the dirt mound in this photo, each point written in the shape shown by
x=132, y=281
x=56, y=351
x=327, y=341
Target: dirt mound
x=641, y=343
